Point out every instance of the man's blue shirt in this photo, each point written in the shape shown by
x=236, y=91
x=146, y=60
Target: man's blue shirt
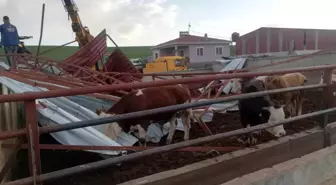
x=9, y=35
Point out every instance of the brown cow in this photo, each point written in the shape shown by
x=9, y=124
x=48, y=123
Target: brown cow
x=150, y=98
x=293, y=100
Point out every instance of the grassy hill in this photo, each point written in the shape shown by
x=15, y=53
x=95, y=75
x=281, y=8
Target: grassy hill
x=64, y=52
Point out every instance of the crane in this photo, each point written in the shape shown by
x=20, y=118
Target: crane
x=83, y=35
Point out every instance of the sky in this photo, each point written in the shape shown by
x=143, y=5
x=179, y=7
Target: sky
x=151, y=22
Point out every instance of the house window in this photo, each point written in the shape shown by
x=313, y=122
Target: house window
x=182, y=53
x=200, y=51
x=156, y=55
x=219, y=50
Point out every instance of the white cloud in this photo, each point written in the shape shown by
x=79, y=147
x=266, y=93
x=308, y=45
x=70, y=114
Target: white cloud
x=128, y=22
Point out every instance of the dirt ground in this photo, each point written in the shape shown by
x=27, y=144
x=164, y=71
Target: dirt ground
x=57, y=160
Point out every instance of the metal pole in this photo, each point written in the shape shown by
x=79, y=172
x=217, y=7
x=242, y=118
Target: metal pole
x=133, y=115
x=328, y=101
x=121, y=148
x=130, y=86
x=51, y=49
x=41, y=32
x=108, y=36
x=117, y=160
x=33, y=139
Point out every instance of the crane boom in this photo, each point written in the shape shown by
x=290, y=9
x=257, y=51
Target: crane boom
x=82, y=36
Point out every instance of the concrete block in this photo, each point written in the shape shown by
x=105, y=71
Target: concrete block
x=316, y=155
x=310, y=169
x=260, y=175
x=288, y=165
x=332, y=133
x=230, y=166
x=236, y=181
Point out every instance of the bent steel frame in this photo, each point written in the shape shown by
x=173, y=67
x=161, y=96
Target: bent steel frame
x=32, y=131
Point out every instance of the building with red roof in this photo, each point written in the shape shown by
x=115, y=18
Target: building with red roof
x=197, y=48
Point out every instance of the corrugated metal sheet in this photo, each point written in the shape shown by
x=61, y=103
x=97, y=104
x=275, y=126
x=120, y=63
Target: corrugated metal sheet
x=88, y=55
x=61, y=111
x=119, y=62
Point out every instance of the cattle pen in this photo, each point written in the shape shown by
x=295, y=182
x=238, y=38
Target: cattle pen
x=218, y=170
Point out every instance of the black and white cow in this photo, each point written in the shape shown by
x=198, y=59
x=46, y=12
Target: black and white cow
x=259, y=110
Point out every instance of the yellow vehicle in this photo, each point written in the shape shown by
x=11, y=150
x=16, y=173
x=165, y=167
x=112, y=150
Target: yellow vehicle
x=83, y=35
x=166, y=64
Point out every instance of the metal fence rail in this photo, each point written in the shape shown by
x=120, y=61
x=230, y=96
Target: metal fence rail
x=87, y=123
x=129, y=86
x=117, y=160
x=32, y=131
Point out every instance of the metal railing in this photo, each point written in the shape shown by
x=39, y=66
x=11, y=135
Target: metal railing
x=33, y=131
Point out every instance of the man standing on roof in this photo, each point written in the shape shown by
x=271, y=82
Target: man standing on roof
x=9, y=38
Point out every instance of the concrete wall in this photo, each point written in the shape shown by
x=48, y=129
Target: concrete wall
x=209, y=53
x=316, y=168
x=312, y=169
x=313, y=77
x=298, y=159
x=321, y=59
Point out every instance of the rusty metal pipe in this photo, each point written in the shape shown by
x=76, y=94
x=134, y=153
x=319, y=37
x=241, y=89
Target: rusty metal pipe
x=81, y=124
x=57, y=47
x=120, y=148
x=52, y=87
x=130, y=86
x=117, y=160
x=41, y=31
x=12, y=134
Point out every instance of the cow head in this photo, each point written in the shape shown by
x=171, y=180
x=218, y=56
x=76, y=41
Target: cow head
x=253, y=85
x=236, y=85
x=276, y=114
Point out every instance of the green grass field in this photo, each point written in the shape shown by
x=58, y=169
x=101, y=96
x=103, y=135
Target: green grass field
x=64, y=52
